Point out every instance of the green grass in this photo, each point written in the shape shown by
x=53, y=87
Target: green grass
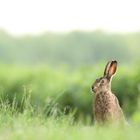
x=67, y=87
x=23, y=127
x=33, y=125
x=60, y=104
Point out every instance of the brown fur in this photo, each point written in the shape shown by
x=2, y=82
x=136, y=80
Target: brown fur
x=106, y=106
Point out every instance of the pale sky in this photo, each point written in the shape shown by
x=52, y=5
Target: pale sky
x=35, y=16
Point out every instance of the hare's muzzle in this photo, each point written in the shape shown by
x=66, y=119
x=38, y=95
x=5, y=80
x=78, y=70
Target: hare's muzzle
x=94, y=89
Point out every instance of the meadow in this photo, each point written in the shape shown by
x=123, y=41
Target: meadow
x=47, y=103
x=27, y=125
x=46, y=79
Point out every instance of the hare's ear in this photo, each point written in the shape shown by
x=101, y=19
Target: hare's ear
x=110, y=69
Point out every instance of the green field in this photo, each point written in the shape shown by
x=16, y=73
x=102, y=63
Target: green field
x=46, y=79
x=44, y=103
x=33, y=126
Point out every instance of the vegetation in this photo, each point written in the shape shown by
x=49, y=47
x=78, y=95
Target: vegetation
x=32, y=125
x=67, y=89
x=74, y=49
x=45, y=85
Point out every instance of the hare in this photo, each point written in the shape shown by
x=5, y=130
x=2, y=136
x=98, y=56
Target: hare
x=106, y=106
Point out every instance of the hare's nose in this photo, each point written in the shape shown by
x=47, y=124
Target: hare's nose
x=94, y=88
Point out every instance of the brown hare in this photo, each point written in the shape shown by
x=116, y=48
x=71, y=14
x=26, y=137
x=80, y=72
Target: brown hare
x=106, y=106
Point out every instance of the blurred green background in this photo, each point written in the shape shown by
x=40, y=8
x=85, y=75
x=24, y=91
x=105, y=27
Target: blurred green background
x=59, y=69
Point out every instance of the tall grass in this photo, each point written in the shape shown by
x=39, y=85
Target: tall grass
x=34, y=125
x=67, y=90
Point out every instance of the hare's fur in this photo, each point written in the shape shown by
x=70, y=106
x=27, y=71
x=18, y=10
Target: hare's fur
x=106, y=106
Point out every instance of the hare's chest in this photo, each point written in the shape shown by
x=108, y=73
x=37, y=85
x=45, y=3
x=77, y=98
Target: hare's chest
x=103, y=103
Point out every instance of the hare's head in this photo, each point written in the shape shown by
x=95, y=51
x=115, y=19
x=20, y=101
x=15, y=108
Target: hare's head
x=103, y=84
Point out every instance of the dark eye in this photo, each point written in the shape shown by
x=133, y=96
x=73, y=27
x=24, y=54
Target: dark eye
x=103, y=81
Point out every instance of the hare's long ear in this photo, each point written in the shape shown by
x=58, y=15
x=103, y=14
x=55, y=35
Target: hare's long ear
x=110, y=69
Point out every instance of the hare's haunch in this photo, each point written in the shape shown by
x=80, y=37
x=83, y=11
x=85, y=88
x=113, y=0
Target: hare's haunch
x=106, y=106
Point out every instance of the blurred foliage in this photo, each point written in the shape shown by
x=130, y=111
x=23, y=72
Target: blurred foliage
x=75, y=48
x=61, y=67
x=70, y=89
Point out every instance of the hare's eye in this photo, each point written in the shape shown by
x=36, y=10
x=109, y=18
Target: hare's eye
x=103, y=81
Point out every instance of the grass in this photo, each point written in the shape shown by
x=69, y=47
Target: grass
x=24, y=127
x=35, y=125
x=44, y=119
